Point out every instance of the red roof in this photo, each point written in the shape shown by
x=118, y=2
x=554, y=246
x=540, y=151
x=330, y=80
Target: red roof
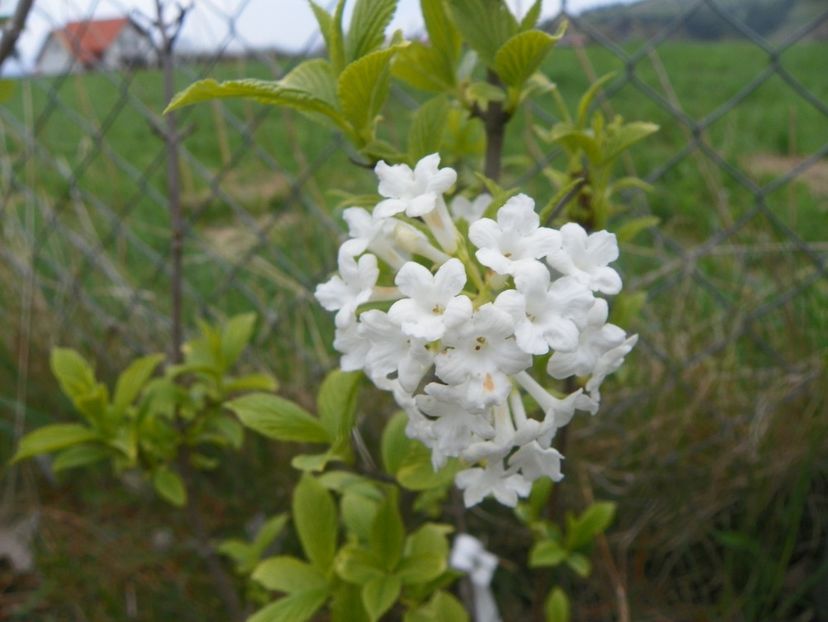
x=88, y=40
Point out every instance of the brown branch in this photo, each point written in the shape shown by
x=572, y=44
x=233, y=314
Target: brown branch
x=12, y=33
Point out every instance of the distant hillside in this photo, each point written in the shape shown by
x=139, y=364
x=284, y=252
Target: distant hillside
x=773, y=19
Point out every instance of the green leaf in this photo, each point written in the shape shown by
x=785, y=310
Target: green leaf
x=394, y=443
x=417, y=473
x=481, y=93
x=547, y=553
x=521, y=56
x=262, y=91
x=346, y=605
x=314, y=516
x=229, y=430
x=388, y=532
x=278, y=418
x=312, y=462
x=297, y=607
x=631, y=228
x=362, y=89
x=331, y=27
x=424, y=68
x=78, y=456
x=269, y=532
x=586, y=100
x=316, y=77
x=557, y=606
x=288, y=574
x=250, y=382
x=442, y=33
x=51, y=438
x=532, y=15
x=378, y=595
x=133, y=379
x=359, y=514
x=580, y=564
x=336, y=403
x=358, y=565
x=485, y=24
x=235, y=337
x=75, y=376
x=594, y=520
x=366, y=31
x=428, y=124
x=169, y=485
x=625, y=136
x=442, y=607
x=425, y=556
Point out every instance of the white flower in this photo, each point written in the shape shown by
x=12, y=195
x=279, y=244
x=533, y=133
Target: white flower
x=515, y=237
x=433, y=304
x=545, y=316
x=390, y=351
x=470, y=211
x=477, y=484
x=596, y=339
x=354, y=348
x=608, y=363
x=413, y=192
x=453, y=429
x=534, y=462
x=468, y=555
x=483, y=352
x=557, y=412
x=586, y=258
x=351, y=288
x=370, y=233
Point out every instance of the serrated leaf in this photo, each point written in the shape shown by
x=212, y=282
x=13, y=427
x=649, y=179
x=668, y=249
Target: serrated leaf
x=133, y=379
x=362, y=89
x=556, y=607
x=521, y=56
x=428, y=124
x=423, y=68
x=169, y=485
x=331, y=28
x=336, y=403
x=442, y=33
x=78, y=456
x=316, y=77
x=278, y=418
x=262, y=91
x=366, y=31
x=547, y=553
x=314, y=517
x=485, y=24
x=586, y=100
x=235, y=337
x=51, y=438
x=289, y=575
x=297, y=607
x=387, y=532
x=378, y=595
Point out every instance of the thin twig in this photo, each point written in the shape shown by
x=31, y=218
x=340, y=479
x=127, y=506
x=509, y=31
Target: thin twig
x=12, y=32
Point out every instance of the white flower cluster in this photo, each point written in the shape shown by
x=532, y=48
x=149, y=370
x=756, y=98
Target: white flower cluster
x=454, y=338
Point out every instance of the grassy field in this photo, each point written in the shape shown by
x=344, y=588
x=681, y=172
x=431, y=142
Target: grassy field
x=714, y=439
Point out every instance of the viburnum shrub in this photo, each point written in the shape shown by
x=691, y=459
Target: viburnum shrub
x=484, y=315
x=466, y=308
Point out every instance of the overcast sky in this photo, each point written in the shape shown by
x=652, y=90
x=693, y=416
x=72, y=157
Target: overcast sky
x=285, y=24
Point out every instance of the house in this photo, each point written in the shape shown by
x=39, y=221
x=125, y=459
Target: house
x=104, y=44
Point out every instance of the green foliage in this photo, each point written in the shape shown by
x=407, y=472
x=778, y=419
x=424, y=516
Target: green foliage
x=169, y=485
x=556, y=607
x=247, y=555
x=278, y=418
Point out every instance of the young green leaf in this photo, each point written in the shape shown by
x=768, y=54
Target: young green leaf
x=378, y=595
x=442, y=606
x=366, y=31
x=417, y=473
x=428, y=124
x=532, y=15
x=442, y=33
x=362, y=89
x=626, y=136
x=557, y=606
x=75, y=376
x=631, y=228
x=278, y=418
x=289, y=575
x=346, y=604
x=169, y=485
x=297, y=607
x=331, y=28
x=485, y=24
x=547, y=553
x=580, y=564
x=51, y=438
x=586, y=100
x=359, y=514
x=388, y=532
x=250, y=382
x=358, y=565
x=78, y=456
x=394, y=443
x=133, y=379
x=521, y=56
x=425, y=555
x=594, y=520
x=336, y=403
x=423, y=68
x=314, y=516
x=235, y=337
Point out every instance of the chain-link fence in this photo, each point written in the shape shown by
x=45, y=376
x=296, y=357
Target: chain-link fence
x=734, y=330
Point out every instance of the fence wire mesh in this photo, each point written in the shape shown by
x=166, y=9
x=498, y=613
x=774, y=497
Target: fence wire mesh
x=735, y=326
